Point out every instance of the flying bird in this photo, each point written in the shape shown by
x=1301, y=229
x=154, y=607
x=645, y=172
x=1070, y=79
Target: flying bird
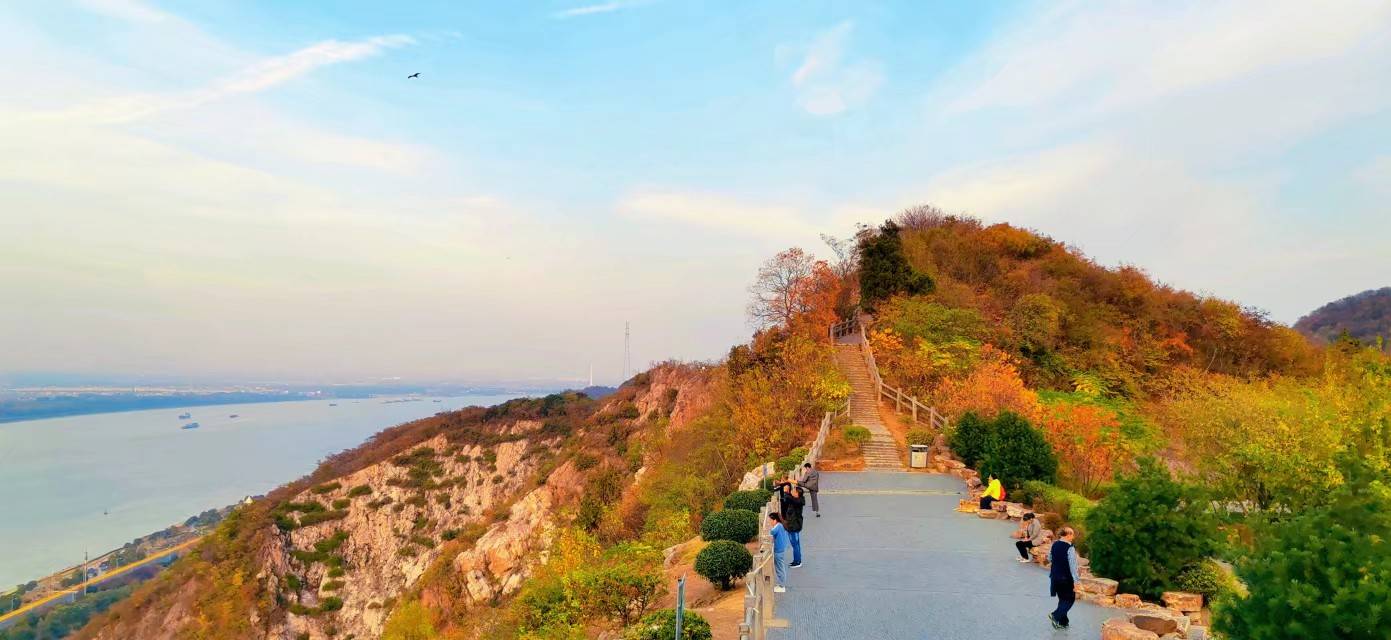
x=413, y=75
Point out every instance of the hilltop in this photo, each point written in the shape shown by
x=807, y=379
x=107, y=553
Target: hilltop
x=1365, y=317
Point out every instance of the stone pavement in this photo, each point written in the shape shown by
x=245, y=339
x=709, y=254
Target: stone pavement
x=890, y=559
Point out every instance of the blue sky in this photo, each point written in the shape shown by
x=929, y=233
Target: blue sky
x=255, y=188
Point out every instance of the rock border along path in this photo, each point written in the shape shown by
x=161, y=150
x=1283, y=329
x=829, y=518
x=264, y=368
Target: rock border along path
x=891, y=559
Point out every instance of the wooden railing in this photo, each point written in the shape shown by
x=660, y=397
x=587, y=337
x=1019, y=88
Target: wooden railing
x=903, y=403
x=759, y=599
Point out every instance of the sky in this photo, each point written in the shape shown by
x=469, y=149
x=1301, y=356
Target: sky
x=255, y=189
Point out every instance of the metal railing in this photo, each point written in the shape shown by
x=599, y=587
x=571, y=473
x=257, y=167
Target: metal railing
x=903, y=403
x=759, y=601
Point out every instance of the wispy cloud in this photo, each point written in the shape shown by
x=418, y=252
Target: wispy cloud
x=595, y=9
x=260, y=76
x=130, y=10
x=826, y=83
x=717, y=212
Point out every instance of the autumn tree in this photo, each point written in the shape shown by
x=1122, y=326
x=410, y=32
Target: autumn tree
x=993, y=386
x=1087, y=441
x=784, y=288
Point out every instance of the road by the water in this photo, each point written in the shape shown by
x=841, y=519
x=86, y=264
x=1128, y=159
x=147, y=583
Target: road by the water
x=890, y=559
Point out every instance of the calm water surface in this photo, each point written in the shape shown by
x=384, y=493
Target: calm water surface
x=58, y=476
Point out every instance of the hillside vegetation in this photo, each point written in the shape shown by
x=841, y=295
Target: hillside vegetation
x=1365, y=317
x=1118, y=405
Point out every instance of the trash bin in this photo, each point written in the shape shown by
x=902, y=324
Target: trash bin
x=918, y=458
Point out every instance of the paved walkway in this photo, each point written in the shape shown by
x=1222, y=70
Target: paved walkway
x=890, y=559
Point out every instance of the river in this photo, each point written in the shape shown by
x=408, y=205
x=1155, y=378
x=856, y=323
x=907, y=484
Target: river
x=93, y=483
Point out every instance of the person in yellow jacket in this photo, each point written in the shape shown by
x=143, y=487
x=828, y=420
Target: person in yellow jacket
x=993, y=491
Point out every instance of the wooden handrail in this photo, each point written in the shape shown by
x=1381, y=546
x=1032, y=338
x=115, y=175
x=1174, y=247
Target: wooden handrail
x=903, y=403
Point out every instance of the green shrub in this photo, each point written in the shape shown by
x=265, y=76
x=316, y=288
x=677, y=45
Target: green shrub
x=621, y=586
x=1207, y=578
x=332, y=585
x=1324, y=572
x=921, y=436
x=748, y=500
x=738, y=525
x=884, y=270
x=1147, y=529
x=310, y=519
x=336, y=572
x=629, y=411
x=360, y=490
x=857, y=435
x=661, y=625
x=325, y=488
x=791, y=461
x=722, y=562
x=1019, y=453
x=972, y=438
x=331, y=603
x=1046, y=497
x=342, y=503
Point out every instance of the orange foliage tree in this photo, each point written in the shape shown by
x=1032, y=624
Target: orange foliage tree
x=1087, y=441
x=992, y=386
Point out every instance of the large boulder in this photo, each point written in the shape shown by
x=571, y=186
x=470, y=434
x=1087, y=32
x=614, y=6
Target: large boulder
x=1101, y=586
x=1098, y=599
x=1015, y=511
x=1160, y=622
x=1128, y=600
x=1122, y=629
x=989, y=514
x=753, y=478
x=1182, y=601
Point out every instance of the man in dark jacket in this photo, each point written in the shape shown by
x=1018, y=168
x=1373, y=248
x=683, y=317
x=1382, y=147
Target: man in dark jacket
x=811, y=483
x=1062, y=576
x=790, y=496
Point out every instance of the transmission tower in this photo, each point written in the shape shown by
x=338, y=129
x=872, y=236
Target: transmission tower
x=627, y=352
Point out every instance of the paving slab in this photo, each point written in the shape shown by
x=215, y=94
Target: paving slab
x=890, y=558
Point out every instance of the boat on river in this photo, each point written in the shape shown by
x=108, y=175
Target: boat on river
x=191, y=425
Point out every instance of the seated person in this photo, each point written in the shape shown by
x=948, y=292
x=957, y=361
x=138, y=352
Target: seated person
x=1030, y=535
x=993, y=491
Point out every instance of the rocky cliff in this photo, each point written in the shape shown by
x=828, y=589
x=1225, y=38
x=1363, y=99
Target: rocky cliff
x=468, y=500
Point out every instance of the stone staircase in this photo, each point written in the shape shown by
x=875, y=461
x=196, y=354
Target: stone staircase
x=881, y=452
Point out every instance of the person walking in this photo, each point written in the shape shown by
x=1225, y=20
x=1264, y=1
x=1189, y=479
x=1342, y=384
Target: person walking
x=811, y=482
x=781, y=541
x=792, y=500
x=993, y=491
x=1030, y=535
x=1062, y=576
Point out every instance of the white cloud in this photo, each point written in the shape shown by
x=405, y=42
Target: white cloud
x=595, y=9
x=716, y=212
x=826, y=83
x=129, y=10
x=260, y=76
x=1117, y=55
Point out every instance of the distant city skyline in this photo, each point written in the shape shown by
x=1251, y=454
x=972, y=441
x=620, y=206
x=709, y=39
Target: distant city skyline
x=256, y=190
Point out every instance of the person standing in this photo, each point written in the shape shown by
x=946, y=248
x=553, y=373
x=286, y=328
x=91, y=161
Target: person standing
x=811, y=482
x=1062, y=576
x=1030, y=536
x=792, y=499
x=780, y=543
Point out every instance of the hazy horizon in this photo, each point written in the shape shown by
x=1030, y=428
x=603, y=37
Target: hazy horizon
x=256, y=190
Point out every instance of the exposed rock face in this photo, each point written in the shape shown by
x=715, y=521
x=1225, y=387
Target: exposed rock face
x=393, y=534
x=1127, y=600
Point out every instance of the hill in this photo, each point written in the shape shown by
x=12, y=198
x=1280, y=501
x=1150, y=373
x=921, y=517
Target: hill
x=549, y=517
x=1365, y=317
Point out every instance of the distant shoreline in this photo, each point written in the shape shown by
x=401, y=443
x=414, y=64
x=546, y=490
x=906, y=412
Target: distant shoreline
x=140, y=403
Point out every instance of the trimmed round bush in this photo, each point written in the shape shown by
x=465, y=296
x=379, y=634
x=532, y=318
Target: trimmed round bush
x=750, y=500
x=1019, y=453
x=661, y=625
x=972, y=438
x=722, y=562
x=857, y=434
x=736, y=525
